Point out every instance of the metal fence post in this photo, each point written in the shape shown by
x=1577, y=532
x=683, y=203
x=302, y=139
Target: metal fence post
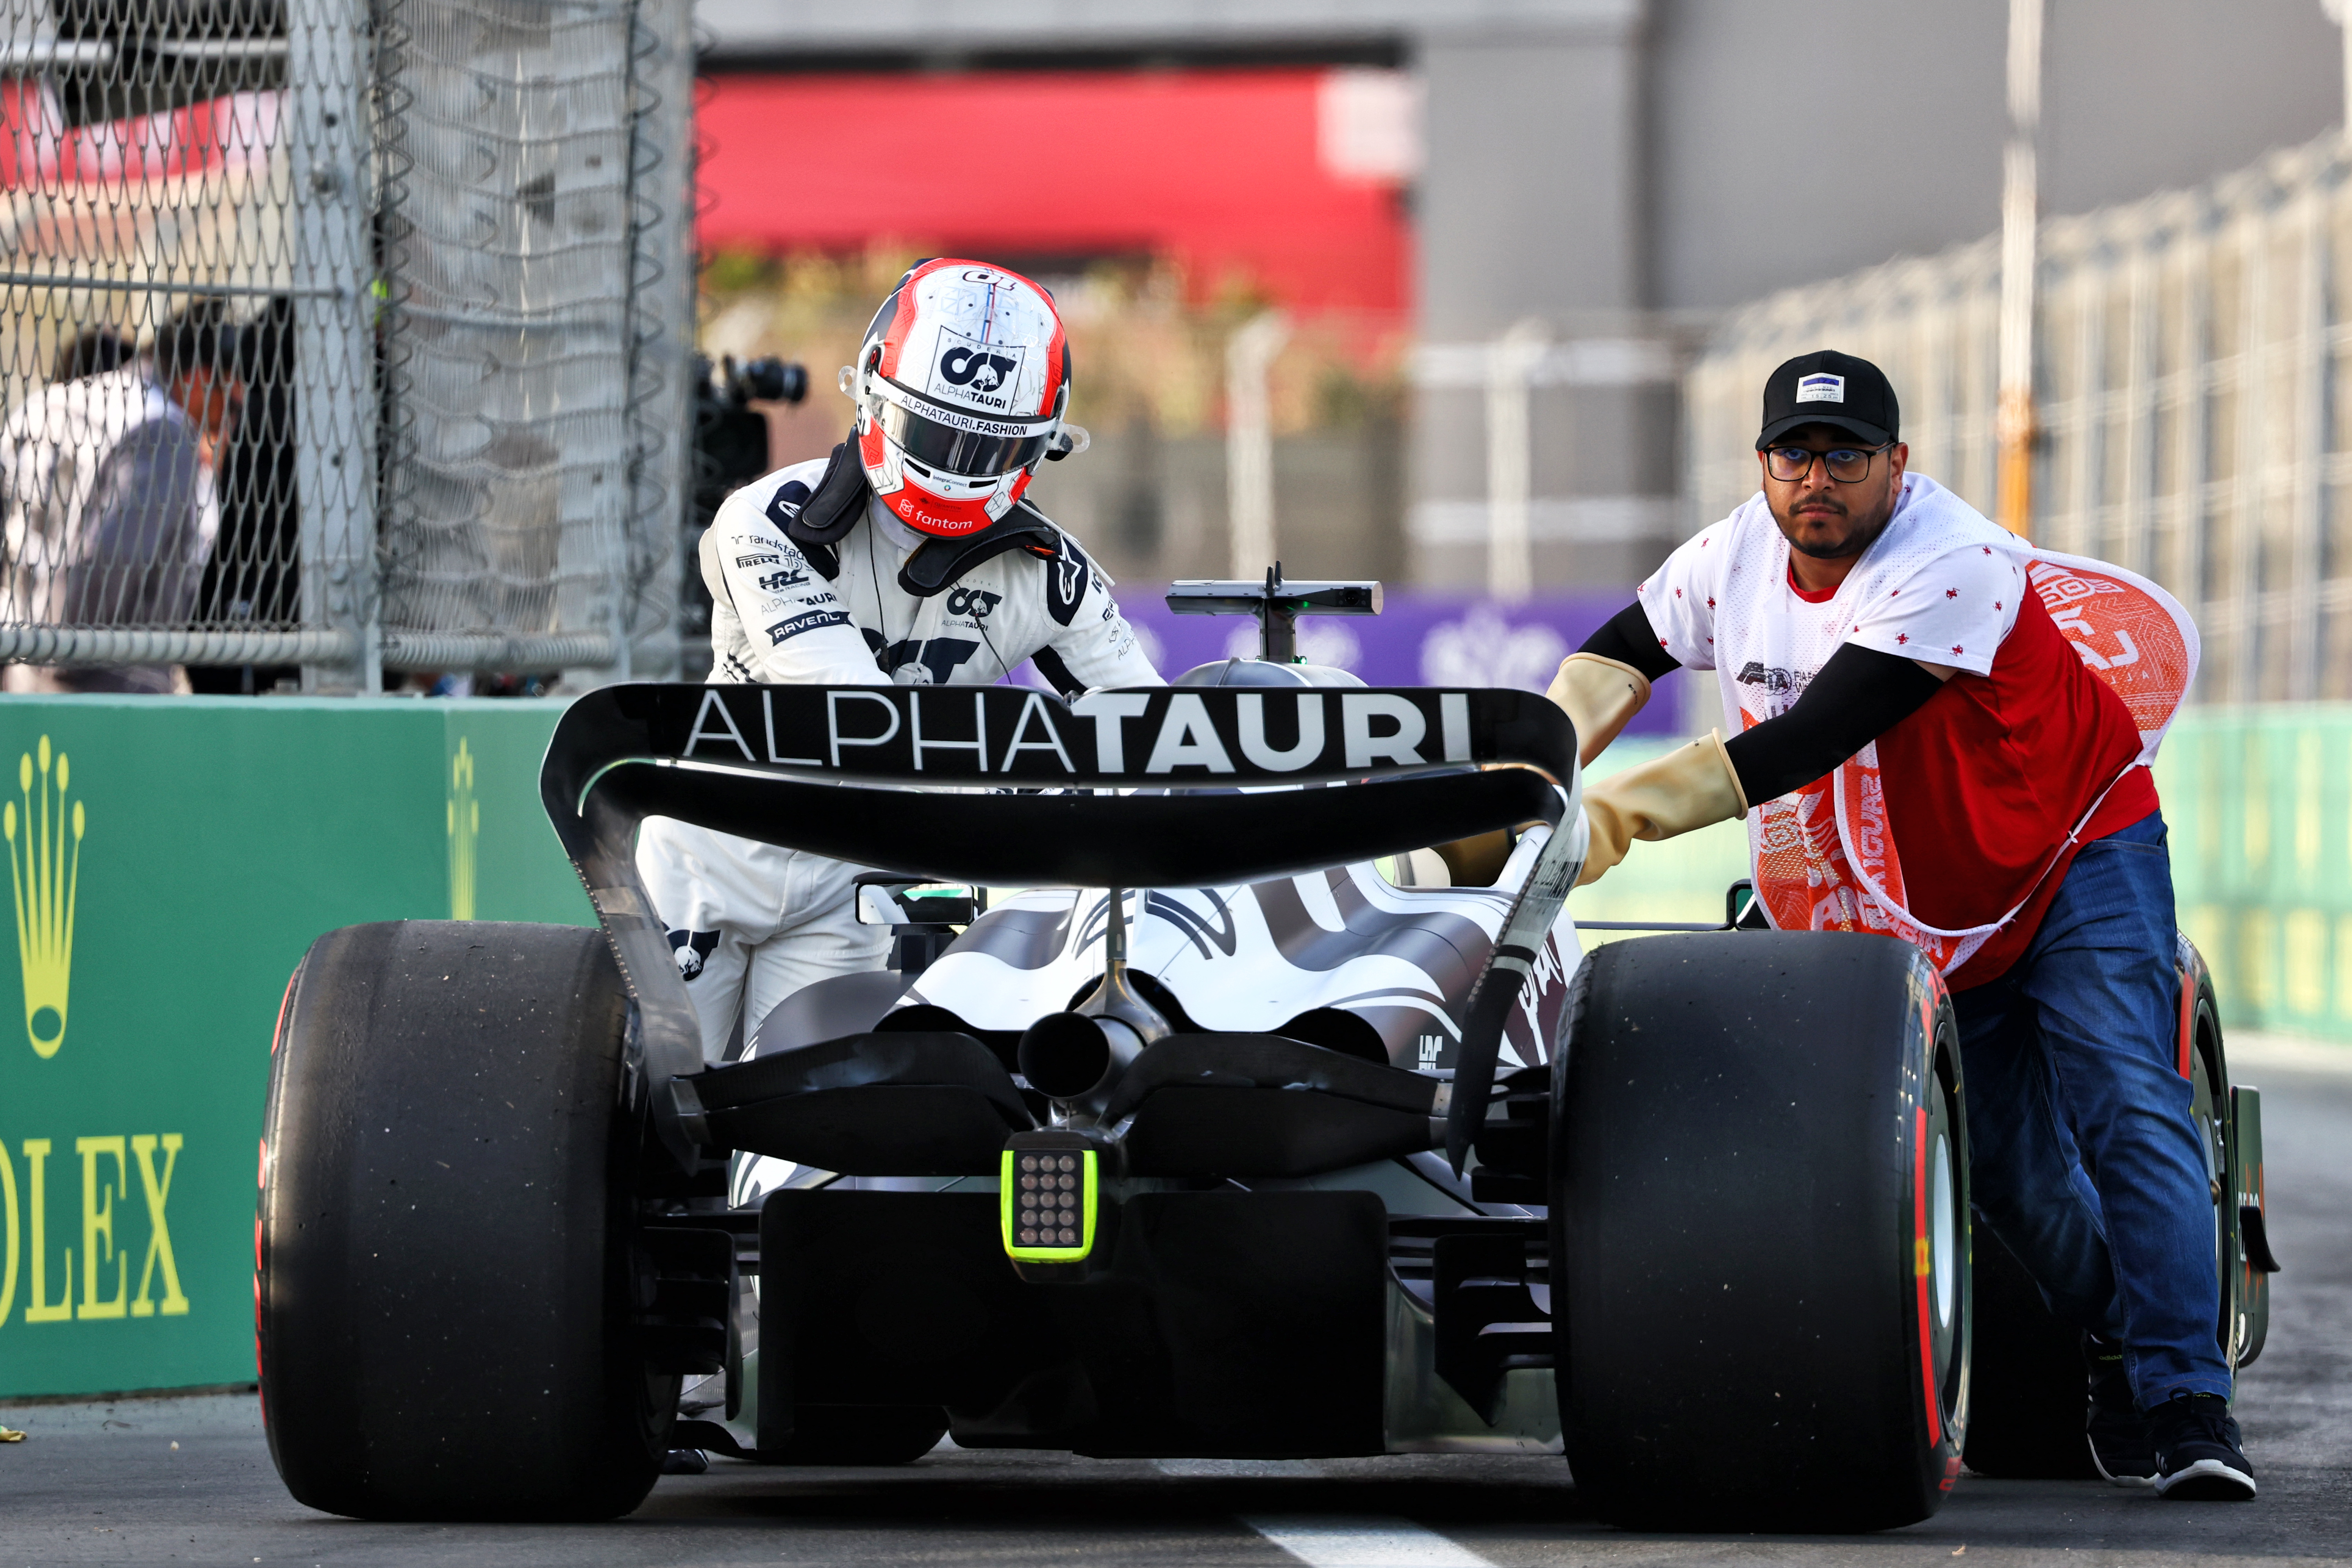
x=2087, y=427
x=661, y=339
x=2019, y=259
x=2138, y=412
x=2244, y=582
x=1511, y=366
x=327, y=108
x=2307, y=510
x=1249, y=442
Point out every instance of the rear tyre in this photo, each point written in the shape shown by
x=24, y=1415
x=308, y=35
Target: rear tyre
x=443, y=1303
x=1758, y=1233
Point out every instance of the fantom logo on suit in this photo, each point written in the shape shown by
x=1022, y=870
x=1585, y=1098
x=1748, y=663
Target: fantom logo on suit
x=45, y=868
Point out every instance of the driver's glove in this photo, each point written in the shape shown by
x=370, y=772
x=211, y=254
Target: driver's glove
x=1691, y=787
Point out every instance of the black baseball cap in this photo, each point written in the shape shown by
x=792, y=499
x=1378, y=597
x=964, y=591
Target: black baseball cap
x=1826, y=387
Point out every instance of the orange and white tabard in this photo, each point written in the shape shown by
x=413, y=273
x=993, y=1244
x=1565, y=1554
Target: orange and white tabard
x=1943, y=584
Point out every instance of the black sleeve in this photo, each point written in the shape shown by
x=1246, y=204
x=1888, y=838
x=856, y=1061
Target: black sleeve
x=1051, y=666
x=1628, y=640
x=1860, y=694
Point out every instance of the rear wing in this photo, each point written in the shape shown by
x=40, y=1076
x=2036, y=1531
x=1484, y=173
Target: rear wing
x=1159, y=787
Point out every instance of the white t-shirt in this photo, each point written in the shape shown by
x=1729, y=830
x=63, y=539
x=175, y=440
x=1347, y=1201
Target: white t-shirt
x=1972, y=806
x=1942, y=583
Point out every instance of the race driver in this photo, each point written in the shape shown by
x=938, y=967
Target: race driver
x=1920, y=749
x=910, y=557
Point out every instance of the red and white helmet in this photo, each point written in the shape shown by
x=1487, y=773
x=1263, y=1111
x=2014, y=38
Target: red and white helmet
x=960, y=386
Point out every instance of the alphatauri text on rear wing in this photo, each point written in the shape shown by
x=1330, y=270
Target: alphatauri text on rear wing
x=1160, y=787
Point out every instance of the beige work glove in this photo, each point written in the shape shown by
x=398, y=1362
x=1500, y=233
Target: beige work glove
x=1599, y=696
x=1691, y=787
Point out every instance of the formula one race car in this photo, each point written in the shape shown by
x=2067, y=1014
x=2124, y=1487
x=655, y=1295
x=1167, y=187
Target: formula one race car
x=1228, y=1136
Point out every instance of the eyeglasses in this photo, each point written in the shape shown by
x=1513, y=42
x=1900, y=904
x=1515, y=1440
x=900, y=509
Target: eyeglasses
x=1846, y=465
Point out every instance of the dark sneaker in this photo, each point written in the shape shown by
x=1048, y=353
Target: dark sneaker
x=2123, y=1441
x=2197, y=1452
x=685, y=1462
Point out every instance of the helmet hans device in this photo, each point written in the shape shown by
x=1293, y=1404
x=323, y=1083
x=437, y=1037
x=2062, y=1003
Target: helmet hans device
x=960, y=386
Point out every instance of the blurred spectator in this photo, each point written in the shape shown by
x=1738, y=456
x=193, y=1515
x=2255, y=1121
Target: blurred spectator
x=93, y=350
x=197, y=361
x=111, y=508
x=252, y=576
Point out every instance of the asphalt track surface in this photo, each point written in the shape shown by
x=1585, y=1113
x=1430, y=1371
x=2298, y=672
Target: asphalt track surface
x=189, y=1481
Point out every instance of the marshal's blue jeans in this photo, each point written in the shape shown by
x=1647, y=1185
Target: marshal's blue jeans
x=2083, y=1157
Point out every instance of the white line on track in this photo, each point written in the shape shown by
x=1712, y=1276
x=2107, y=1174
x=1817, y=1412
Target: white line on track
x=1328, y=1543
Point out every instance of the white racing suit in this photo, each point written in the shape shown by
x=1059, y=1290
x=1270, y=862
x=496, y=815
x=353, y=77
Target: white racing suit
x=752, y=923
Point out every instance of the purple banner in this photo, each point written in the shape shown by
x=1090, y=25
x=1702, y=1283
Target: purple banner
x=1421, y=638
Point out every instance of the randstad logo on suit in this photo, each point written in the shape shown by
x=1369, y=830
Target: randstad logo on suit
x=45, y=866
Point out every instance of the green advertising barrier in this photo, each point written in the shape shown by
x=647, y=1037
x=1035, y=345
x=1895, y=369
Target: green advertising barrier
x=170, y=862
x=2259, y=801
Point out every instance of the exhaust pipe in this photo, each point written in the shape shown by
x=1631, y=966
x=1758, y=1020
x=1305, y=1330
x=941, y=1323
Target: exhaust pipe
x=1069, y=1055
x=1078, y=1056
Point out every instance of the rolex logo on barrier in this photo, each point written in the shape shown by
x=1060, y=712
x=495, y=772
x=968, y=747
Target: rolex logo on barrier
x=44, y=868
x=465, y=832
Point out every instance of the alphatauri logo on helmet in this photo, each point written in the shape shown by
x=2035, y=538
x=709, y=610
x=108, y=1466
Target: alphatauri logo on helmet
x=982, y=374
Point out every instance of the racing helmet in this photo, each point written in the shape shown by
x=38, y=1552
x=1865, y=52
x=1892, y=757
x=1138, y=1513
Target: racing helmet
x=960, y=386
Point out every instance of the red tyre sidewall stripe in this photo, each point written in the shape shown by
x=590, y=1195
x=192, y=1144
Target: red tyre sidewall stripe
x=1921, y=1258
x=2187, y=1020
x=278, y=1031
x=262, y=1178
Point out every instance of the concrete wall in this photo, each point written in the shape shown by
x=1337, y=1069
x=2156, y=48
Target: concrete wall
x=1531, y=202
x=1531, y=208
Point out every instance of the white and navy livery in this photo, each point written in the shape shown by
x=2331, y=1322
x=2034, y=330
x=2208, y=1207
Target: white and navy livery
x=749, y=923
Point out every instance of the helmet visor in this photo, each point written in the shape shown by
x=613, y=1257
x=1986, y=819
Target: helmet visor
x=950, y=448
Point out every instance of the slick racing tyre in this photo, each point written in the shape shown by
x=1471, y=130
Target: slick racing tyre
x=443, y=1307
x=1758, y=1233
x=2027, y=1401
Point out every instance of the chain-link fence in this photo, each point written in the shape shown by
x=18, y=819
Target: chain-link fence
x=2190, y=378
x=336, y=339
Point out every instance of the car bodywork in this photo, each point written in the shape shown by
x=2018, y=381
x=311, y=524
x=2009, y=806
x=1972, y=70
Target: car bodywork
x=1285, y=1262
x=1212, y=1141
